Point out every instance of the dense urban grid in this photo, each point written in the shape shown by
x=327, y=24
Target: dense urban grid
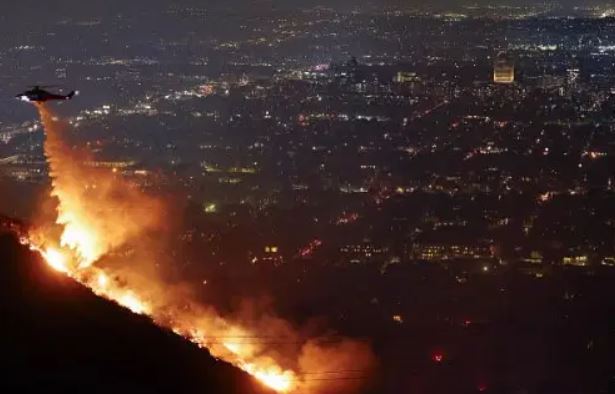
x=434, y=180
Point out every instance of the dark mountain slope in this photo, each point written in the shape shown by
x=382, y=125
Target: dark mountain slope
x=56, y=336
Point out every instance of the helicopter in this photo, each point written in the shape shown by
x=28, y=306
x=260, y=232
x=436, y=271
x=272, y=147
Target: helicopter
x=39, y=95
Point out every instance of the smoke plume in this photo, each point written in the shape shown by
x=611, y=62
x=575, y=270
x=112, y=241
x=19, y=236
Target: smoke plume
x=99, y=213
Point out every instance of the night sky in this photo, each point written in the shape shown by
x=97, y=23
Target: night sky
x=25, y=9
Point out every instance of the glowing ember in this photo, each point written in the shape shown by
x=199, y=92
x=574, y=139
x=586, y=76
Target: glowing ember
x=77, y=237
x=102, y=280
x=131, y=302
x=56, y=260
x=233, y=347
x=278, y=380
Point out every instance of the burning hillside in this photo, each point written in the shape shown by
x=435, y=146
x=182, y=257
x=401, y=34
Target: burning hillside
x=57, y=337
x=99, y=213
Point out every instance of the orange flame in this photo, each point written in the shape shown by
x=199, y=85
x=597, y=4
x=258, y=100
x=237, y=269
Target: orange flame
x=99, y=212
x=56, y=260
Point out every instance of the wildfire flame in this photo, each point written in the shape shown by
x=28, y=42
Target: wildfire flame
x=56, y=260
x=99, y=212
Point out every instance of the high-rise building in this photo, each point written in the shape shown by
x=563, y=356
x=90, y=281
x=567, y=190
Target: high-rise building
x=503, y=69
x=405, y=77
